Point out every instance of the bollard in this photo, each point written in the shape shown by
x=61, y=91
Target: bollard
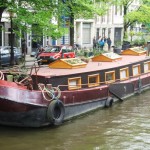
x=10, y=78
x=148, y=48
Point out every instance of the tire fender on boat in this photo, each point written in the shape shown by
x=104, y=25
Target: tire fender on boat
x=109, y=102
x=56, y=112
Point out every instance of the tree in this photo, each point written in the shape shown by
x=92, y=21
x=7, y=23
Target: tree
x=49, y=14
x=142, y=15
x=2, y=7
x=83, y=9
x=138, y=14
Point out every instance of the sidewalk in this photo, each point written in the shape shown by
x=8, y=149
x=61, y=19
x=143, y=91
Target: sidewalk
x=28, y=63
x=29, y=60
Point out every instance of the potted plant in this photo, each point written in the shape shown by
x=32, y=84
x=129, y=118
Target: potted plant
x=117, y=47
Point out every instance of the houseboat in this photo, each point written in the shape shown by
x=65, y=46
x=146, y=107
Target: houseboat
x=67, y=88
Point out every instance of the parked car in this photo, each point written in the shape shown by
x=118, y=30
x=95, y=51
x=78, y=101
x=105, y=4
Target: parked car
x=35, y=52
x=5, y=55
x=53, y=53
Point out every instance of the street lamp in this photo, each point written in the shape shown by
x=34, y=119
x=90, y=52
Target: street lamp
x=11, y=14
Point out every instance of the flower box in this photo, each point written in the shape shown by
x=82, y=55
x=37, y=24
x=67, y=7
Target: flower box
x=134, y=51
x=69, y=63
x=107, y=57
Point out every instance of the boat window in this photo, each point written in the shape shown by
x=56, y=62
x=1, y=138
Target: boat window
x=124, y=73
x=136, y=70
x=109, y=76
x=74, y=83
x=147, y=67
x=93, y=80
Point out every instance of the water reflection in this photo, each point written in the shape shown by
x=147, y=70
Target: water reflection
x=125, y=126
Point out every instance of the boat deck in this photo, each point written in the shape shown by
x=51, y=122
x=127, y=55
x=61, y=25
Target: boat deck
x=92, y=66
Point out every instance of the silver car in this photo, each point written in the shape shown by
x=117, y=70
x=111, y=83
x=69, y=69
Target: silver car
x=5, y=55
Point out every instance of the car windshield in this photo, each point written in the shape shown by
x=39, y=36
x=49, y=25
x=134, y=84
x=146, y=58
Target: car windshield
x=52, y=49
x=7, y=49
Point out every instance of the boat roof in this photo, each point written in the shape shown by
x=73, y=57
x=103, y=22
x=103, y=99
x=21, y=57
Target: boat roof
x=92, y=66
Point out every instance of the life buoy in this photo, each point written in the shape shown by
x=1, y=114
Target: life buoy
x=56, y=112
x=109, y=102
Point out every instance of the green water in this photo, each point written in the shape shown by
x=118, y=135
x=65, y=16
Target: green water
x=125, y=126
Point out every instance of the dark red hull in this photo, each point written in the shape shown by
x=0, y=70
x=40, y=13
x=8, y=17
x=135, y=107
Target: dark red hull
x=20, y=106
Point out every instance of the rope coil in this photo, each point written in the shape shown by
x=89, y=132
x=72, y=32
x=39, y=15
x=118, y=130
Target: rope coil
x=51, y=93
x=1, y=75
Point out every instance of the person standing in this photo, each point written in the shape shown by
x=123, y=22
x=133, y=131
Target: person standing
x=94, y=43
x=24, y=48
x=101, y=43
x=109, y=43
x=98, y=41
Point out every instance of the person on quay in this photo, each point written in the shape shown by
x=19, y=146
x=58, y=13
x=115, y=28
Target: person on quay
x=109, y=43
x=24, y=48
x=94, y=43
x=101, y=43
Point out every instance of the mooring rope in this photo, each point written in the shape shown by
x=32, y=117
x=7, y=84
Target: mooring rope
x=1, y=75
x=50, y=92
x=58, y=91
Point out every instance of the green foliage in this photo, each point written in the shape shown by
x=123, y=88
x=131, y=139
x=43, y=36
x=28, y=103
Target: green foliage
x=138, y=42
x=48, y=14
x=125, y=36
x=86, y=53
x=133, y=15
x=117, y=43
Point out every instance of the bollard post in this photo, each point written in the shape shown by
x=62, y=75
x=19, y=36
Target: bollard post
x=148, y=48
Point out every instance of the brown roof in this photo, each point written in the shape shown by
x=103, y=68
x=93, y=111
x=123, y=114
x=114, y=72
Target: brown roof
x=92, y=66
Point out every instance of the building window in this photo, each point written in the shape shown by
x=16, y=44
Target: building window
x=87, y=32
x=47, y=42
x=120, y=10
x=103, y=19
x=109, y=16
x=136, y=70
x=103, y=32
x=74, y=83
x=146, y=67
x=93, y=80
x=1, y=34
x=110, y=76
x=109, y=32
x=97, y=33
x=124, y=73
x=116, y=10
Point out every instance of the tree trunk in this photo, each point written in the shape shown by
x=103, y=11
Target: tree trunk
x=71, y=28
x=125, y=22
x=72, y=31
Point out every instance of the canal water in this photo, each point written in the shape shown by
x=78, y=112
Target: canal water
x=125, y=126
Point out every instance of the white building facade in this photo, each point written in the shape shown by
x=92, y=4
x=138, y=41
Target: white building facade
x=109, y=25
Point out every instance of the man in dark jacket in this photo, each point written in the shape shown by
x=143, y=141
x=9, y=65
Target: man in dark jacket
x=109, y=43
x=24, y=48
x=94, y=43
